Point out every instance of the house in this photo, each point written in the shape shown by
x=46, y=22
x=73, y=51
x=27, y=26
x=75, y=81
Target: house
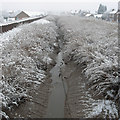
x=79, y=12
x=17, y=15
x=99, y=16
x=74, y=12
x=118, y=14
x=84, y=13
x=89, y=15
x=113, y=15
x=21, y=15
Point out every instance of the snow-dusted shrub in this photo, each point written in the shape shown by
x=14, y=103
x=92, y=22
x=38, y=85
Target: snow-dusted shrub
x=51, y=18
x=94, y=44
x=25, y=56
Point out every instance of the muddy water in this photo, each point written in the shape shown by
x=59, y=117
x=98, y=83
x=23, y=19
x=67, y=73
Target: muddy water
x=57, y=95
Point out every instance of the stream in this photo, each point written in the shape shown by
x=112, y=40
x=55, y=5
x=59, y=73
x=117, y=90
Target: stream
x=57, y=93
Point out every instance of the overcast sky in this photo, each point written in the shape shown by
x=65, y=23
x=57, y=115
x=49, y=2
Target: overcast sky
x=56, y=5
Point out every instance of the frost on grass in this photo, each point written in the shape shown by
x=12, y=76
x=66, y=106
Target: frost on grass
x=107, y=107
x=25, y=56
x=93, y=44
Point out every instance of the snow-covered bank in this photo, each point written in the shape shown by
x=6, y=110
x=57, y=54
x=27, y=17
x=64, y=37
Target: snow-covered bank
x=26, y=52
x=42, y=21
x=18, y=21
x=93, y=44
x=90, y=53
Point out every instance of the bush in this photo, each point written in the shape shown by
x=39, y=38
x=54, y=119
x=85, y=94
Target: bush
x=25, y=55
x=94, y=44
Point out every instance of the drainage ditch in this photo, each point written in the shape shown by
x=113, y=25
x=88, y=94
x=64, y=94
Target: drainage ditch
x=57, y=97
x=57, y=93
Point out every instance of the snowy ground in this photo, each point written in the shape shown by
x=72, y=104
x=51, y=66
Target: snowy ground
x=93, y=45
x=26, y=53
x=89, y=45
x=18, y=21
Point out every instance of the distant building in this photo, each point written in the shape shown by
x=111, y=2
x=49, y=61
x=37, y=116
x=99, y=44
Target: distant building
x=113, y=15
x=89, y=15
x=99, y=16
x=18, y=15
x=118, y=15
x=74, y=12
x=84, y=13
x=21, y=15
x=80, y=12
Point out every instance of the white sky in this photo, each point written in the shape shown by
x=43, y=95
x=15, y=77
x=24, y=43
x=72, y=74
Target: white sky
x=59, y=0
x=56, y=5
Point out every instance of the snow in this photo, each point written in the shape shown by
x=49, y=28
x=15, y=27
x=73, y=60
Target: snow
x=74, y=11
x=23, y=50
x=106, y=106
x=11, y=19
x=35, y=13
x=30, y=13
x=93, y=44
x=88, y=15
x=4, y=38
x=4, y=114
x=90, y=42
x=18, y=21
x=41, y=21
x=47, y=59
x=98, y=16
x=113, y=12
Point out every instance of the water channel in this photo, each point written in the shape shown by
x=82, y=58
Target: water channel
x=58, y=91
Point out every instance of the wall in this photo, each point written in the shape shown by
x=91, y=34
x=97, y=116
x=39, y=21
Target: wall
x=21, y=16
x=5, y=28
